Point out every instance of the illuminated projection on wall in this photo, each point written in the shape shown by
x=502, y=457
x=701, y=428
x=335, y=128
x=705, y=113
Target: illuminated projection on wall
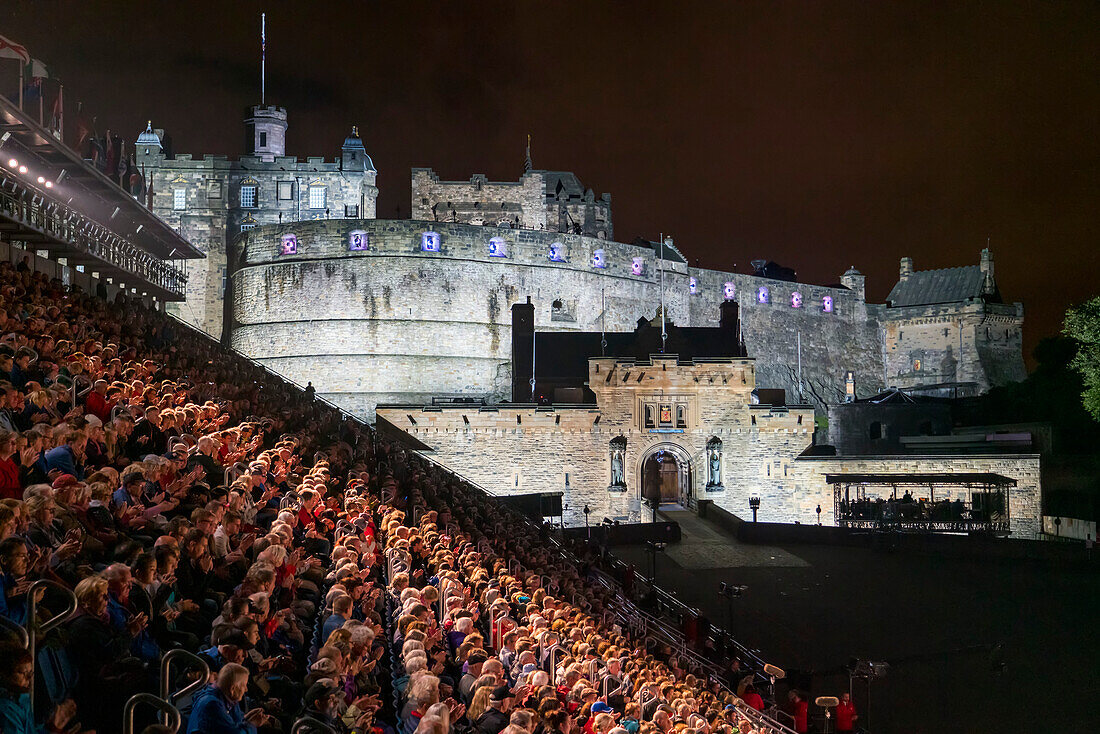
x=827, y=304
x=762, y=295
x=288, y=244
x=796, y=300
x=599, y=259
x=637, y=266
x=693, y=286
x=557, y=253
x=728, y=291
x=358, y=240
x=429, y=242
x=498, y=247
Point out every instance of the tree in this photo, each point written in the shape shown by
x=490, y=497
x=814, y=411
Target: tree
x=1083, y=325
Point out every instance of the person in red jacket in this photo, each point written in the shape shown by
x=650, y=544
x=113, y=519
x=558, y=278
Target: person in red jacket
x=846, y=714
x=10, y=486
x=97, y=403
x=800, y=710
x=752, y=698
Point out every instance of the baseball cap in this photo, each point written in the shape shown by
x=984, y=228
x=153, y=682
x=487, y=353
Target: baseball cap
x=601, y=708
x=500, y=693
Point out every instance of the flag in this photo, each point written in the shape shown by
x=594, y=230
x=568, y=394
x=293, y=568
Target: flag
x=37, y=70
x=9, y=49
x=57, y=115
x=83, y=131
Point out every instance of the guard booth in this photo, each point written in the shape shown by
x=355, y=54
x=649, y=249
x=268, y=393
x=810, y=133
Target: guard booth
x=937, y=503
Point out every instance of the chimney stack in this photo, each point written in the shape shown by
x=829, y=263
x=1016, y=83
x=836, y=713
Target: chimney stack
x=906, y=268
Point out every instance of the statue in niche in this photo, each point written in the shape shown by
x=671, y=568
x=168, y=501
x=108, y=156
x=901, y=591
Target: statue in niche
x=617, y=448
x=714, y=464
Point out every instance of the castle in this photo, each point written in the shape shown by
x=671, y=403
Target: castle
x=401, y=311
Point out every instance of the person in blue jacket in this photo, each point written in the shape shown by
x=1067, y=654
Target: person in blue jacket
x=217, y=708
x=16, y=715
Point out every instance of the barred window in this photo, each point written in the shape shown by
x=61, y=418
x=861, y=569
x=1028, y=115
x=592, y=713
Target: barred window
x=179, y=199
x=248, y=197
x=316, y=197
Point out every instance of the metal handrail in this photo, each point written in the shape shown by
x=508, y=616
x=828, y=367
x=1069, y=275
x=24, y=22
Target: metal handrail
x=165, y=676
x=34, y=628
x=303, y=721
x=171, y=713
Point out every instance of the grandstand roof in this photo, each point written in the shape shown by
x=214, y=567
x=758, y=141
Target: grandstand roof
x=85, y=188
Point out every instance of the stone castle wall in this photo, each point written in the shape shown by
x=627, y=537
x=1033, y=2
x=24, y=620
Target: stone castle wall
x=395, y=324
x=213, y=214
x=548, y=447
x=977, y=343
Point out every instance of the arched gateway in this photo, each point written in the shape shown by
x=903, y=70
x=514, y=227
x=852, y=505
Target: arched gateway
x=666, y=474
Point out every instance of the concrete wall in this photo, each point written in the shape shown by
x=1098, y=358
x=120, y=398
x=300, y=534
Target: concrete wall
x=394, y=324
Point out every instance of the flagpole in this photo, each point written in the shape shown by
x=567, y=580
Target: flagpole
x=263, y=58
x=20, y=87
x=61, y=114
x=41, y=94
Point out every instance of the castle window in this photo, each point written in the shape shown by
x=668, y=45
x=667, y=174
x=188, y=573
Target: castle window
x=827, y=304
x=796, y=300
x=693, y=286
x=650, y=422
x=246, y=227
x=316, y=197
x=681, y=416
x=179, y=199
x=263, y=139
x=288, y=244
x=498, y=247
x=358, y=240
x=285, y=190
x=763, y=295
x=429, y=242
x=213, y=189
x=351, y=211
x=916, y=365
x=729, y=290
x=248, y=197
x=875, y=431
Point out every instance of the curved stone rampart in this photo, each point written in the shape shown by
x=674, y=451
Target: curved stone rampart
x=396, y=324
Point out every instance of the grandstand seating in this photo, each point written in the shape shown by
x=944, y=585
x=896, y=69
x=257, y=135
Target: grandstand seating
x=182, y=498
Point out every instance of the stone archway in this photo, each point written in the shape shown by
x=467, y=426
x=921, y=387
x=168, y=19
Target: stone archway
x=666, y=473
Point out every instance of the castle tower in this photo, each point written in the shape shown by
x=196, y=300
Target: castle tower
x=148, y=143
x=266, y=132
x=855, y=281
x=353, y=156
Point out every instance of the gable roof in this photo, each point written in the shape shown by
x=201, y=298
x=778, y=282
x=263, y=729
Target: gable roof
x=949, y=285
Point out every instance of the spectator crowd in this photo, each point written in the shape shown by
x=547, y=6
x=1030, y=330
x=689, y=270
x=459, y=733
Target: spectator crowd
x=183, y=498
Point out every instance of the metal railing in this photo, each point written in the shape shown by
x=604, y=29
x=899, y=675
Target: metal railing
x=57, y=220
x=171, y=697
x=35, y=628
x=172, y=717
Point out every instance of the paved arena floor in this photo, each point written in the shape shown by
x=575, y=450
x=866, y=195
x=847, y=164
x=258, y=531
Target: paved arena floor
x=974, y=646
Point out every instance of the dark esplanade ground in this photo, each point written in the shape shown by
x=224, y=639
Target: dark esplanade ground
x=935, y=620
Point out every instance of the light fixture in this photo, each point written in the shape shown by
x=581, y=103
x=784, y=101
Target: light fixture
x=41, y=179
x=22, y=169
x=49, y=184
x=13, y=163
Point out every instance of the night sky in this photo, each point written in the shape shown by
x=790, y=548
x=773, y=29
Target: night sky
x=818, y=135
